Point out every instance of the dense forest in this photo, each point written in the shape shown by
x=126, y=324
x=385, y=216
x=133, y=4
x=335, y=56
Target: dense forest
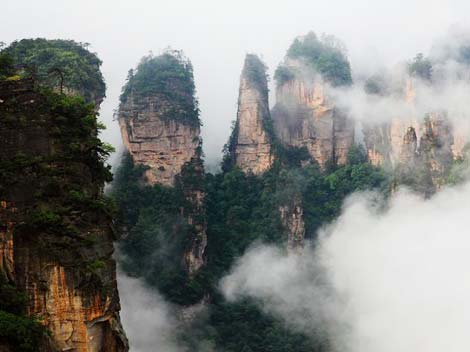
x=241, y=209
x=223, y=212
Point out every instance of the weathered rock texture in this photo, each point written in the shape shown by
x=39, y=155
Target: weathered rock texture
x=411, y=141
x=409, y=146
x=436, y=146
x=152, y=140
x=293, y=222
x=252, y=150
x=63, y=264
x=160, y=129
x=304, y=116
x=192, y=182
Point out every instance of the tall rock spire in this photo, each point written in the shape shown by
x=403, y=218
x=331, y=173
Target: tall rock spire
x=305, y=115
x=252, y=137
x=159, y=116
x=160, y=126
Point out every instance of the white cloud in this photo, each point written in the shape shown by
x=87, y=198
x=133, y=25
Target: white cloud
x=149, y=321
x=393, y=280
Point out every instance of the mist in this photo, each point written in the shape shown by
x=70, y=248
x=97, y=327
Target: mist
x=216, y=38
x=147, y=318
x=391, y=279
x=378, y=280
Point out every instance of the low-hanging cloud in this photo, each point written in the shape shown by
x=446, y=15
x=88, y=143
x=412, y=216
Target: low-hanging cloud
x=147, y=318
x=378, y=281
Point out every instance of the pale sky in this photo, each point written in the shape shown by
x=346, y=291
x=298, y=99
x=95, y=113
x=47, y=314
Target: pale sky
x=216, y=35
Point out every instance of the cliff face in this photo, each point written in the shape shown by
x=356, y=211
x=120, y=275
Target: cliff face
x=252, y=151
x=294, y=225
x=407, y=141
x=56, y=239
x=162, y=145
x=304, y=116
x=436, y=146
x=409, y=146
x=159, y=120
x=195, y=213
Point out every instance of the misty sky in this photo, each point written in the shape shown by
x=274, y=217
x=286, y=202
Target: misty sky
x=216, y=35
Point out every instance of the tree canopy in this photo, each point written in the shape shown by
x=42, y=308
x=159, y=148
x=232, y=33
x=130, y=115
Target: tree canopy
x=325, y=55
x=54, y=62
x=168, y=77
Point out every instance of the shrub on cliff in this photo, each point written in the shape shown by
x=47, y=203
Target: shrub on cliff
x=255, y=71
x=325, y=55
x=169, y=79
x=60, y=62
x=421, y=67
x=17, y=330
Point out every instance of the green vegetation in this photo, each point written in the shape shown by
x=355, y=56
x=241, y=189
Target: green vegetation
x=169, y=77
x=240, y=210
x=255, y=71
x=7, y=64
x=17, y=330
x=421, y=67
x=325, y=56
x=53, y=170
x=460, y=168
x=158, y=232
x=283, y=74
x=376, y=85
x=59, y=63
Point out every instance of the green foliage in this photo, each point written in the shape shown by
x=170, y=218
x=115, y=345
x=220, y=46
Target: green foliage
x=170, y=78
x=255, y=71
x=7, y=65
x=44, y=219
x=376, y=85
x=228, y=151
x=53, y=60
x=240, y=209
x=283, y=74
x=21, y=332
x=243, y=327
x=324, y=55
x=158, y=233
x=11, y=300
x=421, y=67
x=460, y=168
x=17, y=330
x=76, y=126
x=96, y=265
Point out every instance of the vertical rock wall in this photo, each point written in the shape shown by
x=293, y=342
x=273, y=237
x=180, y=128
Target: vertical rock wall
x=64, y=266
x=293, y=222
x=304, y=116
x=253, y=144
x=162, y=145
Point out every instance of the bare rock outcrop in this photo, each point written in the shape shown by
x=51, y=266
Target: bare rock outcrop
x=411, y=141
x=161, y=144
x=408, y=152
x=305, y=116
x=436, y=146
x=294, y=225
x=252, y=149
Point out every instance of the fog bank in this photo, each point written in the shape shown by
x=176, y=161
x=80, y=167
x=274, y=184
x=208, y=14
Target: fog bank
x=379, y=281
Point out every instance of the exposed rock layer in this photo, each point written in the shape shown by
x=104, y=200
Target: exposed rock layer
x=162, y=145
x=252, y=151
x=304, y=116
x=69, y=279
x=293, y=222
